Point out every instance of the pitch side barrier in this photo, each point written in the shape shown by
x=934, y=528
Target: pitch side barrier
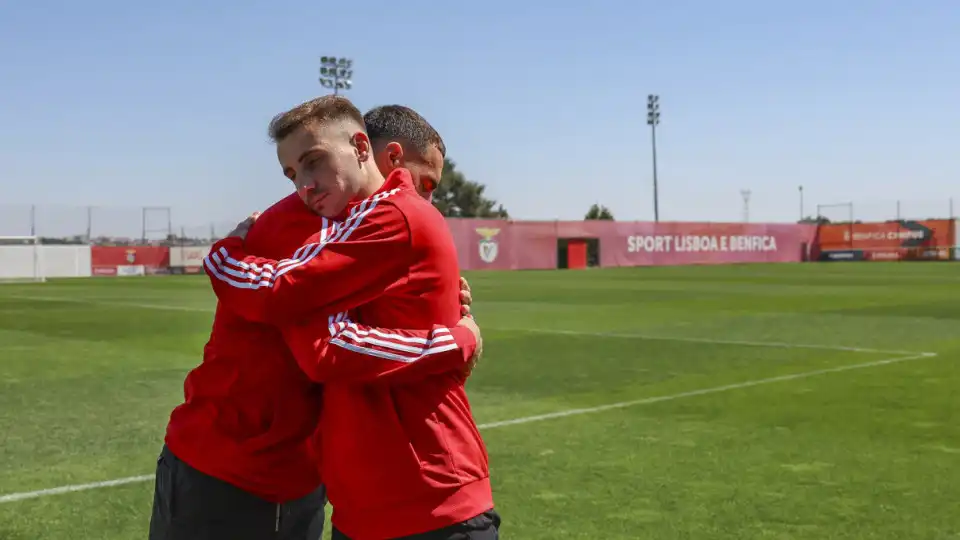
x=531, y=245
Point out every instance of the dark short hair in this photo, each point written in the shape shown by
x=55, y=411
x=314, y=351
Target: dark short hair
x=398, y=123
x=317, y=110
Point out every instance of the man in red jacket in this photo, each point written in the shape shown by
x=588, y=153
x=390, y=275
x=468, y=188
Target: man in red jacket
x=237, y=461
x=399, y=459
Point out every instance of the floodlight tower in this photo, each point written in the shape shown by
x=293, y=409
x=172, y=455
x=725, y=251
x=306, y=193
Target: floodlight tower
x=801, y=203
x=653, y=119
x=336, y=73
x=745, y=193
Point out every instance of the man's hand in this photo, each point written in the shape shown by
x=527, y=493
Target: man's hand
x=466, y=298
x=468, y=322
x=242, y=228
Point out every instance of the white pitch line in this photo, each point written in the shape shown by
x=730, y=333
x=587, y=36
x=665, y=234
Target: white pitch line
x=89, y=302
x=772, y=344
x=681, y=339
x=704, y=391
x=13, y=497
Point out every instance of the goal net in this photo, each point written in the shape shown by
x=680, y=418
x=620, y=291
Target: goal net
x=21, y=259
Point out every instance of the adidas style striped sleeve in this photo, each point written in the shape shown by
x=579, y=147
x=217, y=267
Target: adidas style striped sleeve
x=340, y=350
x=345, y=265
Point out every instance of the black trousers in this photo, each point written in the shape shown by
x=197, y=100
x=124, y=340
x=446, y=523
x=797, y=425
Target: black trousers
x=190, y=505
x=486, y=526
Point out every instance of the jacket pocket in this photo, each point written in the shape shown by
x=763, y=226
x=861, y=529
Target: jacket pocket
x=369, y=460
x=440, y=426
x=404, y=432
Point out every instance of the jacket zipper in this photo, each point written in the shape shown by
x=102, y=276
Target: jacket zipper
x=277, y=529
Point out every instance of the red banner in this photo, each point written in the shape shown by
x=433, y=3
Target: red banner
x=515, y=245
x=104, y=260
x=644, y=244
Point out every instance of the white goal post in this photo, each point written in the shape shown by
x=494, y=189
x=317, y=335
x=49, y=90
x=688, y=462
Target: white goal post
x=21, y=259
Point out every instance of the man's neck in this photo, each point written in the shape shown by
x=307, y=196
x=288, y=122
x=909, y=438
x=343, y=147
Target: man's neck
x=373, y=181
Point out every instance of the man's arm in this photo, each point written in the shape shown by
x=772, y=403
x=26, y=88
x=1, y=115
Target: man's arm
x=347, y=265
x=346, y=352
x=343, y=351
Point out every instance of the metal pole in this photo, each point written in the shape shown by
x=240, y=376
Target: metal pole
x=143, y=218
x=33, y=220
x=89, y=223
x=656, y=194
x=653, y=118
x=801, y=203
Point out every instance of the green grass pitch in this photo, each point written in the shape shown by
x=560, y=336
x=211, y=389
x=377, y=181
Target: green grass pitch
x=726, y=402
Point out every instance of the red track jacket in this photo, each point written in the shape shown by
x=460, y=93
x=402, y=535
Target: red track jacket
x=398, y=459
x=250, y=412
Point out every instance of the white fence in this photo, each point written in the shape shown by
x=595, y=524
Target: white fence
x=188, y=256
x=61, y=261
x=51, y=261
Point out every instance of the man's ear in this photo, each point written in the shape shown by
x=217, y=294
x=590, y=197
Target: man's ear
x=363, y=147
x=394, y=152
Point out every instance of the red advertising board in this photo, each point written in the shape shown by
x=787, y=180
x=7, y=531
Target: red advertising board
x=887, y=241
x=105, y=260
x=513, y=245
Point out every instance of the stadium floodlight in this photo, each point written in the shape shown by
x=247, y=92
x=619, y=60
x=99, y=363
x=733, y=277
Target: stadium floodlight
x=653, y=120
x=336, y=73
x=745, y=193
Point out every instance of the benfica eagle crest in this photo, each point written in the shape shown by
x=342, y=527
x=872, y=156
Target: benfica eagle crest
x=488, y=245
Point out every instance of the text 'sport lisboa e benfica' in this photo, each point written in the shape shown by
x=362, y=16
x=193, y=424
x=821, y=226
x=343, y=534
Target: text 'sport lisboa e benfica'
x=900, y=240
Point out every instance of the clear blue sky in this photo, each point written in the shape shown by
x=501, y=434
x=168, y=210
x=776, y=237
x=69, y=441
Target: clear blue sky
x=119, y=103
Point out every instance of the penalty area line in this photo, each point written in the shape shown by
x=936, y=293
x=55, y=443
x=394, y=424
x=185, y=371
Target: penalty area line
x=14, y=497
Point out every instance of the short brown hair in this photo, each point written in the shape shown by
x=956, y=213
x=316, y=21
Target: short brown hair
x=315, y=111
x=396, y=122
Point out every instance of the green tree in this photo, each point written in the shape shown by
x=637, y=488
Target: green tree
x=598, y=211
x=458, y=197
